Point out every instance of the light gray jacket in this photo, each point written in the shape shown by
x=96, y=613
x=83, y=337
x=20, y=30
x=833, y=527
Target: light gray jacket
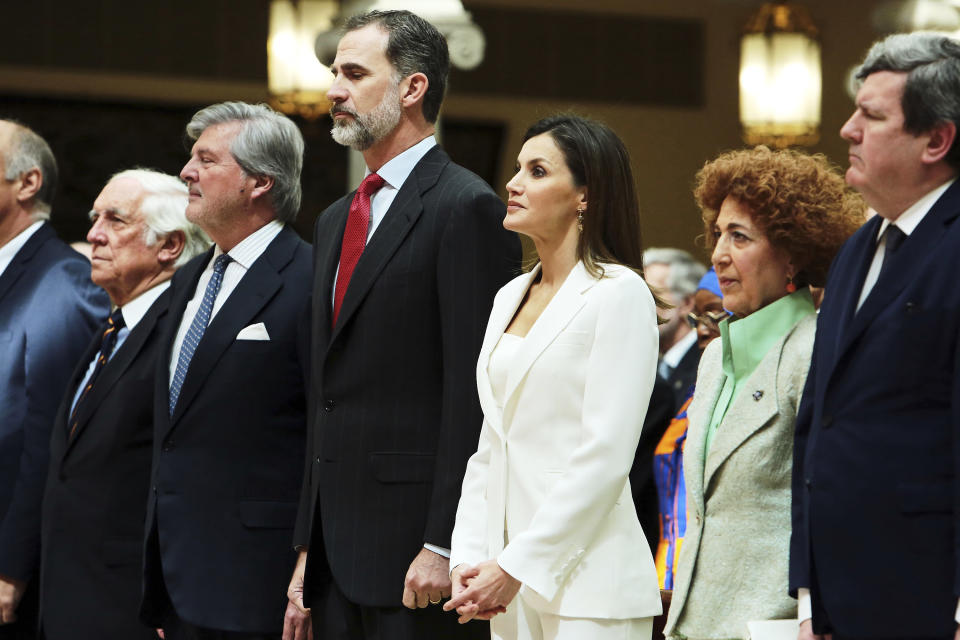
x=733, y=562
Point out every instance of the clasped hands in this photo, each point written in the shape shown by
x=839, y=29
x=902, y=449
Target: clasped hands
x=481, y=592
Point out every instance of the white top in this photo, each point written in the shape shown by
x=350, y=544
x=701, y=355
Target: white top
x=501, y=358
x=907, y=222
x=9, y=250
x=244, y=255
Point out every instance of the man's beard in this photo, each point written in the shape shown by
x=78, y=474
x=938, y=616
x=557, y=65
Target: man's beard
x=362, y=131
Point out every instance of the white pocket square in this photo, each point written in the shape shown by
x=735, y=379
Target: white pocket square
x=254, y=332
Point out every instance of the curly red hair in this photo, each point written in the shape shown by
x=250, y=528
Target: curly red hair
x=799, y=201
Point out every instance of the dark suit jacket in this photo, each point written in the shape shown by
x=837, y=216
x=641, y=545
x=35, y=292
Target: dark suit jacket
x=394, y=408
x=95, y=500
x=642, y=486
x=49, y=309
x=875, y=480
x=684, y=375
x=227, y=465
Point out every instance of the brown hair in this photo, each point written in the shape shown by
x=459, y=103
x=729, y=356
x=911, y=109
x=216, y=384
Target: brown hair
x=598, y=160
x=799, y=201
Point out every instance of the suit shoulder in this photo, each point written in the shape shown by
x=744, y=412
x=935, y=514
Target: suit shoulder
x=621, y=280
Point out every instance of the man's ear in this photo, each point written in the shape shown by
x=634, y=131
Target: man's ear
x=413, y=89
x=939, y=141
x=261, y=185
x=30, y=182
x=171, y=248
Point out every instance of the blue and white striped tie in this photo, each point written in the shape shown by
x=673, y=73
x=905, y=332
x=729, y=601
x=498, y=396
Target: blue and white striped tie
x=197, y=327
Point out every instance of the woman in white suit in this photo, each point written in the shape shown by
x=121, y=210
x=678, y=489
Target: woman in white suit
x=547, y=541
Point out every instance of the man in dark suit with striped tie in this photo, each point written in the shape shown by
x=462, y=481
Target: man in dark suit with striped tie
x=405, y=273
x=94, y=502
x=229, y=402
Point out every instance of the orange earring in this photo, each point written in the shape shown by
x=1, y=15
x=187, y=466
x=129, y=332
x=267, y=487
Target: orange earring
x=790, y=286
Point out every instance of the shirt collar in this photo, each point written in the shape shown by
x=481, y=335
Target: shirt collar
x=250, y=248
x=396, y=170
x=675, y=354
x=9, y=250
x=134, y=310
x=914, y=215
x=746, y=341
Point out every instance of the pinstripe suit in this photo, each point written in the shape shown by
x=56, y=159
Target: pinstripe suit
x=393, y=409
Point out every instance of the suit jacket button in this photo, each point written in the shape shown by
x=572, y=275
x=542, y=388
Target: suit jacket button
x=808, y=482
x=168, y=445
x=329, y=405
x=318, y=460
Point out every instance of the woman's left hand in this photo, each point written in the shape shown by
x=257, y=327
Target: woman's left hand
x=485, y=591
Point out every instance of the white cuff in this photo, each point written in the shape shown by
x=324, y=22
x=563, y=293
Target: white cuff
x=804, y=605
x=957, y=614
x=440, y=551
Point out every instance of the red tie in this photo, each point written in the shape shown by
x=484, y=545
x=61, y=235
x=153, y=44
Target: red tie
x=354, y=237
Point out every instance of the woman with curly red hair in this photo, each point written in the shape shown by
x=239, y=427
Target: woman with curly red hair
x=774, y=220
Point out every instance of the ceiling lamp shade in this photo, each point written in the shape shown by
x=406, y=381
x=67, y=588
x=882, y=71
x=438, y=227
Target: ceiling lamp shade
x=298, y=82
x=780, y=80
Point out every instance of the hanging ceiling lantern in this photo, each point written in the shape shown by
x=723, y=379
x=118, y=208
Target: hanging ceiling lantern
x=780, y=77
x=298, y=82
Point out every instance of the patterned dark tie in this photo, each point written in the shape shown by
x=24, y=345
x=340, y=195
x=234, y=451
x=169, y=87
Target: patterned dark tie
x=197, y=327
x=108, y=340
x=354, y=237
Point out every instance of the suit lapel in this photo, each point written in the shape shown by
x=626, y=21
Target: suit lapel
x=116, y=366
x=919, y=248
x=327, y=257
x=403, y=213
x=252, y=293
x=500, y=317
x=559, y=311
x=706, y=396
x=18, y=266
x=753, y=408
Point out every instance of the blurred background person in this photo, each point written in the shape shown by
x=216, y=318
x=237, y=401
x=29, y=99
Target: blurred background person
x=707, y=313
x=774, y=221
x=49, y=309
x=546, y=532
x=95, y=499
x=675, y=274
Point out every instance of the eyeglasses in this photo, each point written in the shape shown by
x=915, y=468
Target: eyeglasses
x=710, y=319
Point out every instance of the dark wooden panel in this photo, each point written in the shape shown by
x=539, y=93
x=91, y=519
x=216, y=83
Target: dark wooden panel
x=93, y=140
x=586, y=57
x=223, y=39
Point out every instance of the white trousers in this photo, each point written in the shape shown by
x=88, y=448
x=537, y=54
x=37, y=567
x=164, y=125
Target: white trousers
x=523, y=622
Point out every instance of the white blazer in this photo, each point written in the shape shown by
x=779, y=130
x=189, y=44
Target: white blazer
x=550, y=471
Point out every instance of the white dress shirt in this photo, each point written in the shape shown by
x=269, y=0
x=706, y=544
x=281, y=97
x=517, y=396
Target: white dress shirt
x=908, y=221
x=9, y=250
x=394, y=173
x=132, y=313
x=243, y=256
x=675, y=354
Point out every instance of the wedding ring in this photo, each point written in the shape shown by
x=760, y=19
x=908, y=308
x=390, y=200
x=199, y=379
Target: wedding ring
x=437, y=601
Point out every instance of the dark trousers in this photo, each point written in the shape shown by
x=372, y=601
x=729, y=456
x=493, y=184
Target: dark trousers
x=176, y=629
x=337, y=618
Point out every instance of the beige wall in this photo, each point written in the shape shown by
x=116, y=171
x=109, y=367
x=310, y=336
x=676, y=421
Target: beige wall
x=668, y=146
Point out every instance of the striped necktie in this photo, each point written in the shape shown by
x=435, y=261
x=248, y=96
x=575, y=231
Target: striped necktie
x=108, y=340
x=197, y=327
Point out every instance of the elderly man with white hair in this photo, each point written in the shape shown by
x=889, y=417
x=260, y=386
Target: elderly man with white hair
x=95, y=500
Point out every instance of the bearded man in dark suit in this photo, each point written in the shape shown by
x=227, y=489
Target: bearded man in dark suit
x=405, y=273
